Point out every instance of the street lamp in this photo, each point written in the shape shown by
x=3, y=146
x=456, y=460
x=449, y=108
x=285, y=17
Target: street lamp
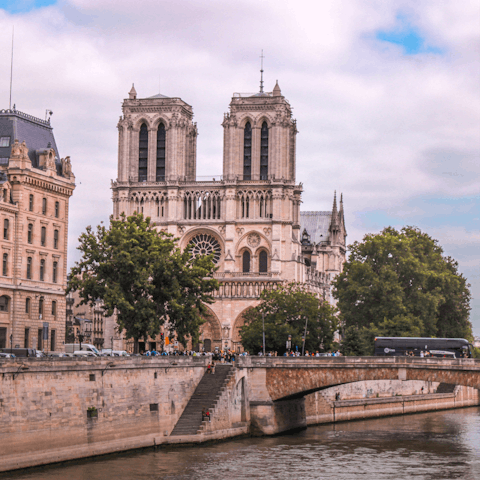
x=304, y=337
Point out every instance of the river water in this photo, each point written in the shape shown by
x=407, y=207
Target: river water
x=440, y=445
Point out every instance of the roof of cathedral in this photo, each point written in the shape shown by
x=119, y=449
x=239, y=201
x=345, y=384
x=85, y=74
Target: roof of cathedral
x=36, y=133
x=158, y=95
x=316, y=224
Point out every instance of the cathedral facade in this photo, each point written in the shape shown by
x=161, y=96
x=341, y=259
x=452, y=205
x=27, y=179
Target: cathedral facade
x=249, y=218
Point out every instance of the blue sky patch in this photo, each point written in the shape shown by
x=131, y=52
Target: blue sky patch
x=22, y=6
x=408, y=36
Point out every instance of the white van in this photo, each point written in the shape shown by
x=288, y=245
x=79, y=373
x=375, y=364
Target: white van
x=83, y=353
x=75, y=347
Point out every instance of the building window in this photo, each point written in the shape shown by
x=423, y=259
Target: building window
x=40, y=306
x=55, y=265
x=44, y=206
x=26, y=343
x=5, y=265
x=43, y=236
x=247, y=152
x=143, y=154
x=54, y=308
x=40, y=339
x=27, y=305
x=246, y=261
x=263, y=262
x=53, y=344
x=55, y=239
x=29, y=268
x=57, y=209
x=161, y=153
x=264, y=152
x=30, y=203
x=4, y=141
x=6, y=224
x=4, y=303
x=30, y=233
x=42, y=269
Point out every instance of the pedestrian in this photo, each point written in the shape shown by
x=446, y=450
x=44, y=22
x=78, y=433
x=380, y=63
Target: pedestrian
x=213, y=368
x=207, y=415
x=209, y=368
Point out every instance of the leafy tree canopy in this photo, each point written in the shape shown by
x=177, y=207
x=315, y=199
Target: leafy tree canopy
x=286, y=309
x=142, y=275
x=398, y=283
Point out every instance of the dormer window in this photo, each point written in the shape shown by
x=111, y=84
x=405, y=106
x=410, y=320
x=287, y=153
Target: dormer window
x=4, y=141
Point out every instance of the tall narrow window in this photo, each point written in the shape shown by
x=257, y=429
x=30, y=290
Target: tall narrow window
x=27, y=305
x=30, y=233
x=42, y=269
x=161, y=153
x=53, y=338
x=43, y=237
x=143, y=154
x=54, y=272
x=29, y=268
x=263, y=262
x=247, y=152
x=5, y=265
x=57, y=209
x=4, y=303
x=30, y=203
x=246, y=261
x=40, y=338
x=26, y=343
x=264, y=152
x=6, y=224
x=44, y=206
x=55, y=239
x=40, y=306
x=54, y=308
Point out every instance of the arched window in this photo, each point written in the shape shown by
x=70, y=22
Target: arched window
x=263, y=262
x=30, y=233
x=55, y=239
x=5, y=265
x=44, y=206
x=161, y=153
x=42, y=269
x=30, y=203
x=29, y=268
x=54, y=272
x=264, y=152
x=246, y=261
x=43, y=237
x=6, y=224
x=54, y=308
x=247, y=152
x=57, y=209
x=143, y=154
x=27, y=305
x=4, y=301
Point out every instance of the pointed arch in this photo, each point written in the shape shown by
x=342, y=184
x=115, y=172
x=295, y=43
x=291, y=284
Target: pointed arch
x=161, y=152
x=264, y=151
x=247, y=151
x=143, y=153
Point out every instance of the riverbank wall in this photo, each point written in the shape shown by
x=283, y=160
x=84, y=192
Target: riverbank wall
x=66, y=409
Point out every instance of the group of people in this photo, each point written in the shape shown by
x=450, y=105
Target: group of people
x=293, y=353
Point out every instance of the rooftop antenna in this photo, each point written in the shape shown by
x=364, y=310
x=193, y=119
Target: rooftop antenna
x=11, y=71
x=261, y=73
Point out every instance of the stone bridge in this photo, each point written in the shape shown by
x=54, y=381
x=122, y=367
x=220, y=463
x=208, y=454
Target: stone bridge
x=277, y=385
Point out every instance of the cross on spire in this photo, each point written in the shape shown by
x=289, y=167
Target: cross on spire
x=261, y=72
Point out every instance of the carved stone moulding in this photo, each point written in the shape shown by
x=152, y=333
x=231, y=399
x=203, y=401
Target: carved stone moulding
x=253, y=240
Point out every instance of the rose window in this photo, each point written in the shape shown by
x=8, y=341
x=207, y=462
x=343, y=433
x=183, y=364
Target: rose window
x=204, y=244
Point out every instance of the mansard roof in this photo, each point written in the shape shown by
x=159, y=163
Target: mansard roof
x=316, y=224
x=36, y=133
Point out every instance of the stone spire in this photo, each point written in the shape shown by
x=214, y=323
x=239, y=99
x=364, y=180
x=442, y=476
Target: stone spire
x=132, y=94
x=334, y=227
x=276, y=90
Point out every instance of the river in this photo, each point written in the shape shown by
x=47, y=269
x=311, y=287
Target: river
x=439, y=445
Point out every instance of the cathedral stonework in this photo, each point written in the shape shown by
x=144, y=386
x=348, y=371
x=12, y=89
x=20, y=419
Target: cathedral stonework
x=249, y=218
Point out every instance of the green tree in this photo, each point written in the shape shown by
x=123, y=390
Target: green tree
x=398, y=283
x=286, y=309
x=142, y=275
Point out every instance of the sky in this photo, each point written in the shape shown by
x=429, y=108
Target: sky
x=386, y=94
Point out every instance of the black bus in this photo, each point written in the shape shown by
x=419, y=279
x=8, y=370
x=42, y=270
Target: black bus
x=436, y=347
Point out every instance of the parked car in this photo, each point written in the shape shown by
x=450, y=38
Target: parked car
x=58, y=354
x=6, y=355
x=20, y=352
x=84, y=353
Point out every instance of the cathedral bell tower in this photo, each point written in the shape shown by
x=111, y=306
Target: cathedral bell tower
x=259, y=137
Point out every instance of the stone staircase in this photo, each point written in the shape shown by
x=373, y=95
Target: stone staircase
x=446, y=388
x=206, y=395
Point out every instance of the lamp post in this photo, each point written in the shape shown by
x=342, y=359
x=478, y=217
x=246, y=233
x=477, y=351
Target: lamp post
x=263, y=328
x=304, y=337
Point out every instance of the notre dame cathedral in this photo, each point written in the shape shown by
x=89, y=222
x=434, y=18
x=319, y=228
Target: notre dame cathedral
x=249, y=218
